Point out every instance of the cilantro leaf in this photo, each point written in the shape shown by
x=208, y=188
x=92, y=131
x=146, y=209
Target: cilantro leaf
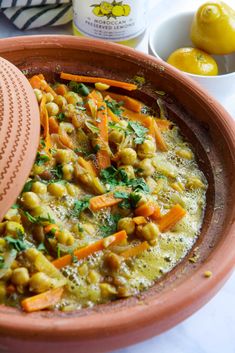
x=41, y=158
x=79, y=206
x=138, y=130
x=39, y=219
x=60, y=117
x=57, y=171
x=114, y=106
x=110, y=225
x=138, y=184
x=18, y=243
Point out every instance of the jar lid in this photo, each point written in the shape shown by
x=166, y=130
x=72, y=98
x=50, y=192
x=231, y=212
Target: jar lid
x=19, y=132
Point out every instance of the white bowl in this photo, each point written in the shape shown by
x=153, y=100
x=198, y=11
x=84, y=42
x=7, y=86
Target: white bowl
x=173, y=33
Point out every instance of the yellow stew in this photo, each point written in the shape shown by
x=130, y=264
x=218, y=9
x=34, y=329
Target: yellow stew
x=115, y=200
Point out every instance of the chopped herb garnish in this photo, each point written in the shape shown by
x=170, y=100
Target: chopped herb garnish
x=42, y=143
x=110, y=225
x=41, y=158
x=15, y=206
x=28, y=186
x=57, y=171
x=79, y=88
x=129, y=200
x=39, y=219
x=96, y=148
x=61, y=117
x=139, y=131
x=138, y=184
x=79, y=206
x=113, y=176
x=114, y=106
x=2, y=262
x=18, y=243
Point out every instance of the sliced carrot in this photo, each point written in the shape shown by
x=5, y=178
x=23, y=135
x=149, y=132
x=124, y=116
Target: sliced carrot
x=53, y=125
x=96, y=95
x=140, y=220
x=37, y=82
x=156, y=214
x=42, y=301
x=45, y=123
x=133, y=116
x=170, y=219
x=88, y=165
x=145, y=210
x=149, y=123
x=135, y=250
x=102, y=123
x=52, y=227
x=159, y=138
x=114, y=83
x=90, y=249
x=163, y=124
x=103, y=201
x=128, y=102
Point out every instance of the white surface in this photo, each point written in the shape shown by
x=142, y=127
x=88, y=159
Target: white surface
x=211, y=329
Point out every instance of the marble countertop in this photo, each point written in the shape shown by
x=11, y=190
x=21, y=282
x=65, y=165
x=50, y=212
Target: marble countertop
x=212, y=328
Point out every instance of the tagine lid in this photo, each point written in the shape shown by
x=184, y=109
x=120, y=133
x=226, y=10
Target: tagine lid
x=19, y=133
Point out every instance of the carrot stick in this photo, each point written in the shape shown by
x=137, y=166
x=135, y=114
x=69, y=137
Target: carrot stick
x=88, y=165
x=102, y=123
x=170, y=219
x=91, y=249
x=103, y=201
x=145, y=210
x=140, y=220
x=149, y=123
x=156, y=214
x=135, y=250
x=37, y=82
x=61, y=89
x=53, y=125
x=128, y=102
x=114, y=83
x=45, y=123
x=42, y=301
x=159, y=139
x=133, y=116
x=113, y=117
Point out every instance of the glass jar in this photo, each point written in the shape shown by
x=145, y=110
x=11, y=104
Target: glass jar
x=118, y=21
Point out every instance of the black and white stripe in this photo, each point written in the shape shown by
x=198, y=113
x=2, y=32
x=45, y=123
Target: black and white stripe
x=29, y=14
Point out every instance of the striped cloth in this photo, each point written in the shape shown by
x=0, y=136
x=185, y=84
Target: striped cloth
x=28, y=14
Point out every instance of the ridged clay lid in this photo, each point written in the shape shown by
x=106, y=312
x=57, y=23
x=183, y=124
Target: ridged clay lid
x=19, y=132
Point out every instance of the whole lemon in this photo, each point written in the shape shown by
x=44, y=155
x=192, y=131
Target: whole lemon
x=194, y=61
x=213, y=28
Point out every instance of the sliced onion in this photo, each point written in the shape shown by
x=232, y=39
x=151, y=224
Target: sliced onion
x=8, y=260
x=163, y=112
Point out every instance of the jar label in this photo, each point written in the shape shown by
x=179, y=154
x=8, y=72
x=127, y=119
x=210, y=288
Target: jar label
x=111, y=20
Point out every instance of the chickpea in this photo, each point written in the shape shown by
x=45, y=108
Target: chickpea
x=40, y=282
x=38, y=94
x=112, y=261
x=69, y=110
x=146, y=166
x=20, y=276
x=38, y=169
x=127, y=224
x=57, y=189
x=128, y=156
x=73, y=98
x=194, y=183
x=72, y=189
x=148, y=232
x=49, y=97
x=64, y=156
x=12, y=228
x=68, y=170
x=146, y=149
x=30, y=200
x=65, y=237
x=60, y=101
x=129, y=171
x=39, y=188
x=93, y=277
x=52, y=108
x=184, y=153
x=115, y=136
x=107, y=290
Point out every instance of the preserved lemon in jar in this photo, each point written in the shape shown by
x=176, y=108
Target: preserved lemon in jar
x=123, y=22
